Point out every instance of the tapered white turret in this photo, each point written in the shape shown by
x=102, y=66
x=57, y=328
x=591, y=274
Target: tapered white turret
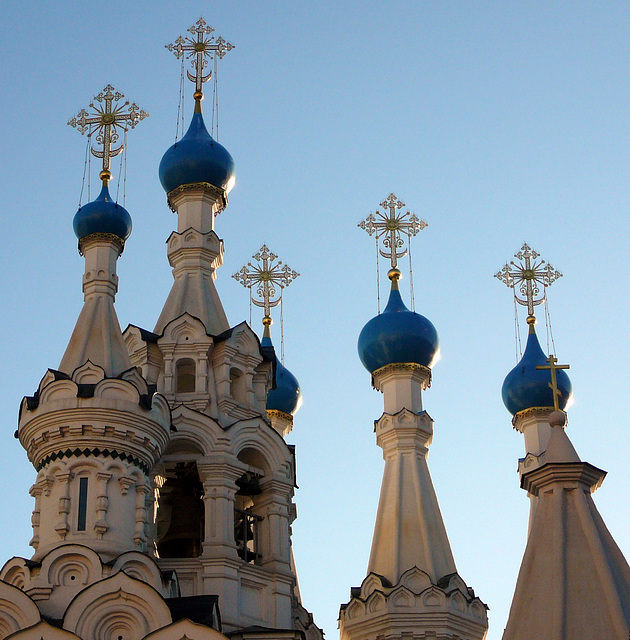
x=586, y=594
x=197, y=173
x=409, y=530
x=574, y=583
x=195, y=252
x=412, y=587
x=97, y=336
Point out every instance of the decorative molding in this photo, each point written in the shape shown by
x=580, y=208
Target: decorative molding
x=403, y=366
x=96, y=452
x=207, y=188
x=542, y=411
x=107, y=237
x=275, y=413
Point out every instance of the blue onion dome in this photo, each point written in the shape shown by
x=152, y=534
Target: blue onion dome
x=287, y=396
x=398, y=335
x=197, y=157
x=102, y=215
x=526, y=387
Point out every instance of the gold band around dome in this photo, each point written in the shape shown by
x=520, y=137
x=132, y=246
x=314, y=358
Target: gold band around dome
x=206, y=186
x=110, y=237
x=405, y=366
x=276, y=413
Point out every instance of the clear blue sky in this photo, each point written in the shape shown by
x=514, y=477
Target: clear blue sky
x=497, y=122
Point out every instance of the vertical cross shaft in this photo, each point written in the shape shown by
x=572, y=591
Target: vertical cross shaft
x=553, y=385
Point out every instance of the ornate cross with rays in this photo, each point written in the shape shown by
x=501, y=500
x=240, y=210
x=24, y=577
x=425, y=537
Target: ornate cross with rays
x=528, y=275
x=390, y=226
x=267, y=274
x=108, y=117
x=553, y=385
x=199, y=47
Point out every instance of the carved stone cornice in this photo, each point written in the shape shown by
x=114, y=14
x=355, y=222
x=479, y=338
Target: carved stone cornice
x=205, y=187
x=396, y=367
x=541, y=413
x=569, y=474
x=102, y=237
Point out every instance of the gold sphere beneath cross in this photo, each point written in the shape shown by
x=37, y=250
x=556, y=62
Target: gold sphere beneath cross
x=105, y=175
x=198, y=95
x=394, y=274
x=267, y=321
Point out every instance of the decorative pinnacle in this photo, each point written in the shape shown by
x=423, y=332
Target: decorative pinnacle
x=553, y=385
x=198, y=49
x=267, y=274
x=528, y=275
x=108, y=117
x=390, y=226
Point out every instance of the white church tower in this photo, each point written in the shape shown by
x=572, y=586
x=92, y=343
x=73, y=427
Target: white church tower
x=412, y=588
x=574, y=582
x=164, y=494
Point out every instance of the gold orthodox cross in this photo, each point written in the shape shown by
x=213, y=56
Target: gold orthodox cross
x=198, y=48
x=108, y=117
x=528, y=275
x=553, y=385
x=390, y=226
x=267, y=274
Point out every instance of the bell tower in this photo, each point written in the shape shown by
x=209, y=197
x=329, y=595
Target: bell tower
x=224, y=486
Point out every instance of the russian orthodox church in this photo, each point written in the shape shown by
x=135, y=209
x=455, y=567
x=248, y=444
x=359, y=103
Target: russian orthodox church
x=163, y=497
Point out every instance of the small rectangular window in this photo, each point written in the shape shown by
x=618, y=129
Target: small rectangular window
x=83, y=493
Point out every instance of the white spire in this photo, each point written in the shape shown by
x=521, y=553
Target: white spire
x=97, y=336
x=195, y=252
x=574, y=581
x=409, y=530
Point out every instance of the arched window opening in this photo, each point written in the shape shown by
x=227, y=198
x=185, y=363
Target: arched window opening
x=237, y=385
x=180, y=521
x=186, y=375
x=246, y=520
x=82, y=505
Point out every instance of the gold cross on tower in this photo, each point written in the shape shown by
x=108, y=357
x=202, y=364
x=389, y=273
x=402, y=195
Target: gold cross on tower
x=267, y=274
x=199, y=48
x=553, y=385
x=390, y=226
x=528, y=275
x=108, y=117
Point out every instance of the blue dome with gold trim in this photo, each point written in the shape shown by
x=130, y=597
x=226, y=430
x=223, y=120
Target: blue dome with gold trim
x=287, y=396
x=526, y=387
x=398, y=335
x=102, y=215
x=197, y=157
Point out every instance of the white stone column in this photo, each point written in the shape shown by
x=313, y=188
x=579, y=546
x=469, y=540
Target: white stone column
x=219, y=486
x=101, y=526
x=63, y=525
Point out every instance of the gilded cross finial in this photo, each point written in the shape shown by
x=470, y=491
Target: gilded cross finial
x=390, y=226
x=528, y=275
x=198, y=48
x=553, y=385
x=109, y=115
x=265, y=275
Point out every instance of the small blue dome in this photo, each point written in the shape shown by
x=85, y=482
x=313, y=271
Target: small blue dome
x=287, y=396
x=398, y=335
x=102, y=215
x=525, y=386
x=197, y=157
